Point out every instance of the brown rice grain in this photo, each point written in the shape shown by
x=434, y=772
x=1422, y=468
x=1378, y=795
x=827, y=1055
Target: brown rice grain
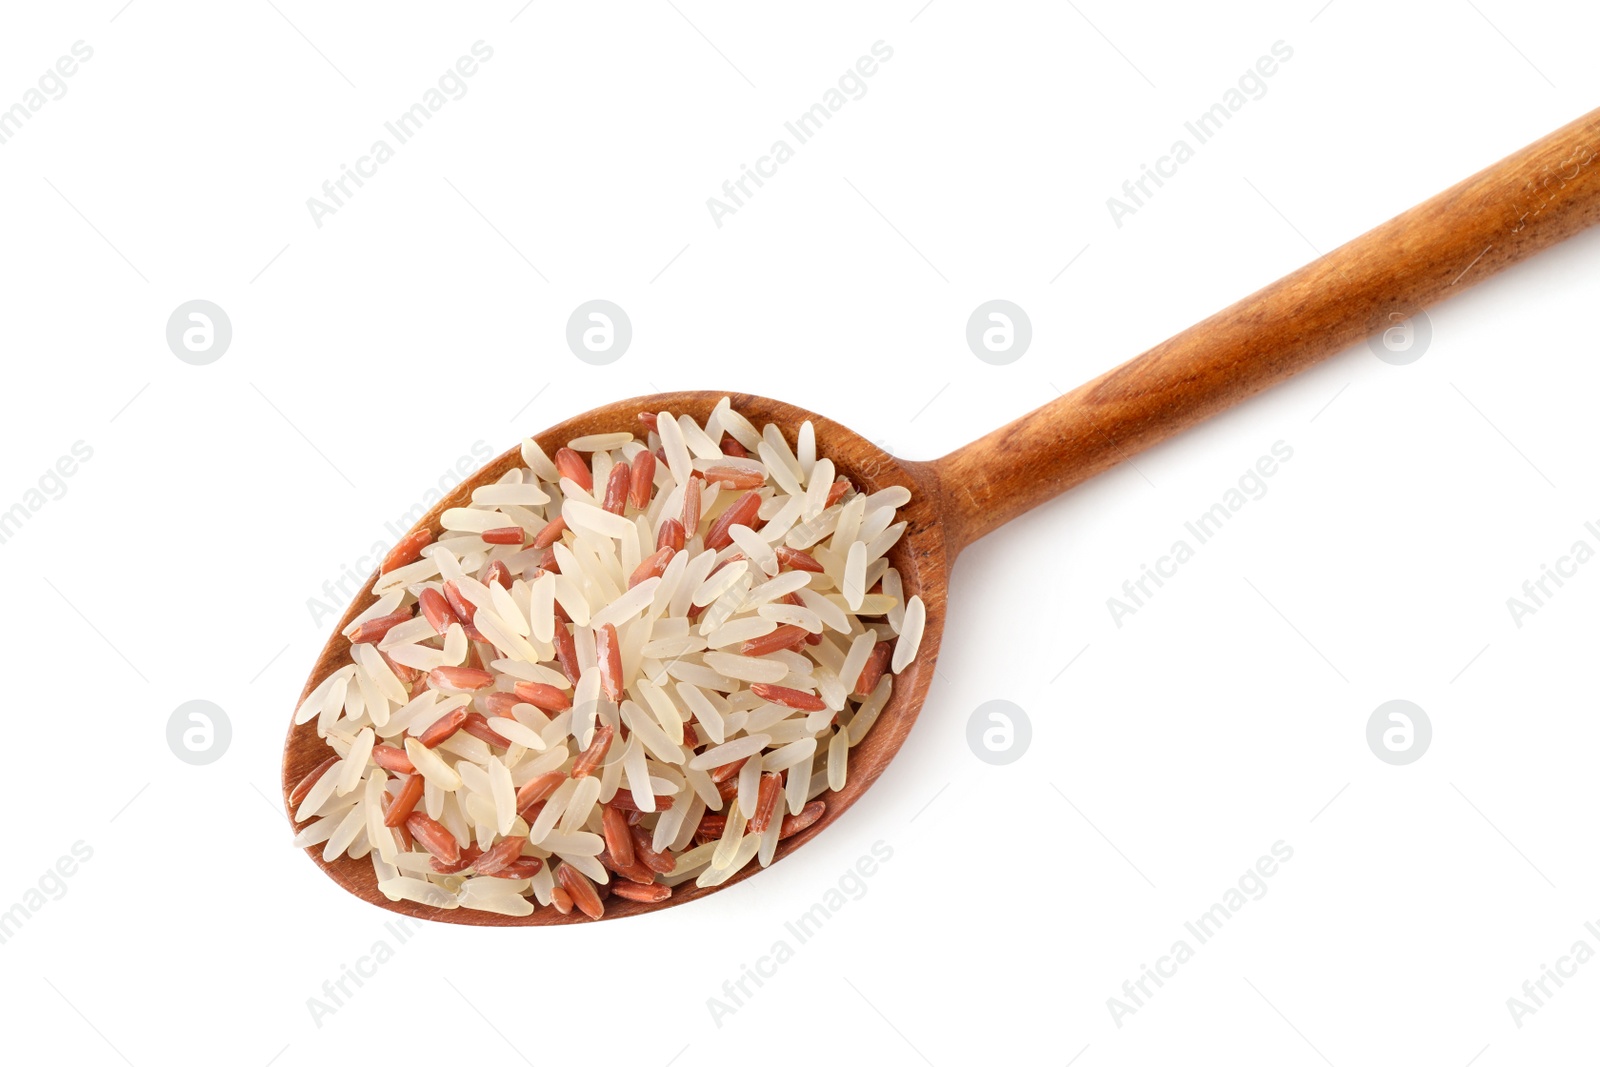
x=571, y=465
x=405, y=801
x=581, y=890
x=408, y=551
x=793, y=824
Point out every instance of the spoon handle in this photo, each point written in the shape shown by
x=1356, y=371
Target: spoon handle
x=1521, y=205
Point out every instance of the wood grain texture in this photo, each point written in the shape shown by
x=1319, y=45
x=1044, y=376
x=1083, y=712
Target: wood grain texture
x=1499, y=216
x=919, y=556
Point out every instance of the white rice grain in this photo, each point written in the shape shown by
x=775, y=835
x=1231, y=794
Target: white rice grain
x=431, y=767
x=599, y=442
x=706, y=715
x=755, y=548
x=732, y=752
x=746, y=668
x=509, y=493
x=838, y=760
x=356, y=762
x=910, y=635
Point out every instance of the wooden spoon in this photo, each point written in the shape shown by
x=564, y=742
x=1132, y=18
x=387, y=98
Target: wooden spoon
x=1519, y=206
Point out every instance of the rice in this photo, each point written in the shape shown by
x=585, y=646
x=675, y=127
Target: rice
x=640, y=661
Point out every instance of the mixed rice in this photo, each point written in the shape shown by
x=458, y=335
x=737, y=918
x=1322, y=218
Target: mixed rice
x=640, y=662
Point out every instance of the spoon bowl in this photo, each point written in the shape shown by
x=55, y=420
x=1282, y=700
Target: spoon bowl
x=922, y=557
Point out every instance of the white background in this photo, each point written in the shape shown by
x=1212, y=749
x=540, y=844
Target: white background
x=1228, y=714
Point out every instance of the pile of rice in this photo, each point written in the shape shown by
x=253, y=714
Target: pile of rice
x=635, y=664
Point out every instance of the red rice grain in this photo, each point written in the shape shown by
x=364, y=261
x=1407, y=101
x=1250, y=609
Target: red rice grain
x=691, y=504
x=624, y=801
x=636, y=873
x=581, y=890
x=789, y=698
x=551, y=533
x=542, y=696
x=644, y=474
x=728, y=770
x=501, y=855
x=439, y=732
x=299, y=792
x=567, y=652
x=571, y=465
x=877, y=663
x=409, y=550
x=742, y=513
x=793, y=824
x=538, y=789
x=467, y=858
x=405, y=801
x=503, y=535
x=436, y=609
x=392, y=759
x=798, y=560
x=374, y=630
x=735, y=477
x=652, y=566
x=644, y=894
x=766, y=802
x=619, y=839
x=608, y=649
x=433, y=836
x=523, y=867
x=479, y=727
x=785, y=636
x=462, y=678
x=660, y=862
x=500, y=704
x=463, y=608
x=670, y=535
x=591, y=757
x=407, y=675
x=617, y=484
